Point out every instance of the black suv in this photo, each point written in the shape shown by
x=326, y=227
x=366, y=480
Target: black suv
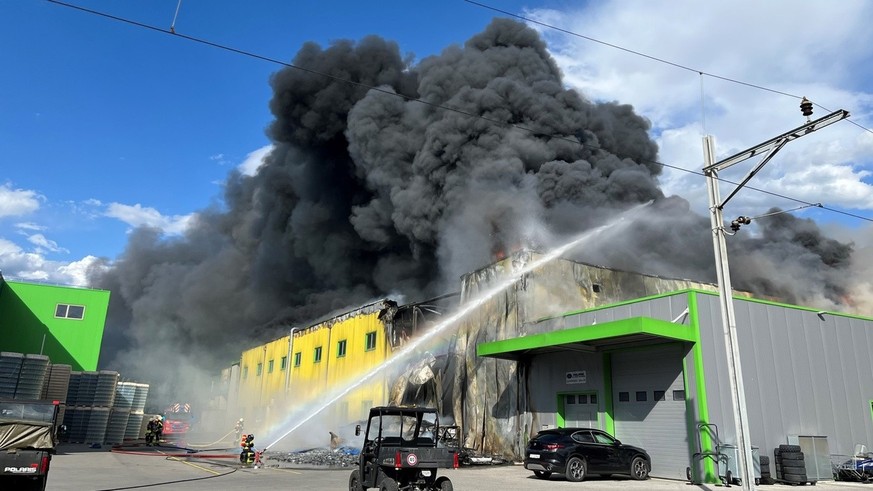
x=577, y=452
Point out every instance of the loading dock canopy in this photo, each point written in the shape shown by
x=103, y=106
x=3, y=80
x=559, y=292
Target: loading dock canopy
x=635, y=331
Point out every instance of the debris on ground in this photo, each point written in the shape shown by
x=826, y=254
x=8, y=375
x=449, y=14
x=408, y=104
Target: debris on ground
x=321, y=457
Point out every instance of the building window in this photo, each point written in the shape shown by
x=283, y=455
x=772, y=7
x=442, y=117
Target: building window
x=678, y=395
x=341, y=349
x=592, y=398
x=371, y=341
x=570, y=398
x=660, y=395
x=283, y=364
x=583, y=398
x=260, y=369
x=297, y=357
x=66, y=311
x=270, y=366
x=245, y=372
x=318, y=354
x=641, y=396
x=623, y=396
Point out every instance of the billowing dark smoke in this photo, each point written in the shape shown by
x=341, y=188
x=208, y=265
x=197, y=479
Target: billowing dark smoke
x=368, y=194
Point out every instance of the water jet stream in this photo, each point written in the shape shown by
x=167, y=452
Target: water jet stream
x=458, y=315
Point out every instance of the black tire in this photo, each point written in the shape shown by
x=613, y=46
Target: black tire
x=639, y=469
x=543, y=474
x=355, y=481
x=443, y=484
x=792, y=456
x=793, y=469
x=794, y=477
x=764, y=460
x=789, y=448
x=577, y=469
x=388, y=484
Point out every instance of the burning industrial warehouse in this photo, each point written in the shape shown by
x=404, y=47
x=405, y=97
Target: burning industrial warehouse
x=465, y=165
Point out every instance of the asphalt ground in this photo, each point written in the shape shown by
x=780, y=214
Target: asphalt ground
x=81, y=468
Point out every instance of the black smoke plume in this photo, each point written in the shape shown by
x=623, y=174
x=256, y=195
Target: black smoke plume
x=369, y=194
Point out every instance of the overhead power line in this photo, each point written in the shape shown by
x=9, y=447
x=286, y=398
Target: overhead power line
x=250, y=54
x=653, y=58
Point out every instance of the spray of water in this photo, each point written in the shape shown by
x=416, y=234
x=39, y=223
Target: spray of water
x=468, y=307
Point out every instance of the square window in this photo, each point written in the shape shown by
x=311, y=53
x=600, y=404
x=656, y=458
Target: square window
x=660, y=395
x=76, y=312
x=570, y=399
x=678, y=395
x=623, y=396
x=641, y=395
x=270, y=366
x=592, y=398
x=297, y=358
x=341, y=348
x=583, y=399
x=61, y=310
x=318, y=354
x=371, y=341
x=260, y=369
x=284, y=363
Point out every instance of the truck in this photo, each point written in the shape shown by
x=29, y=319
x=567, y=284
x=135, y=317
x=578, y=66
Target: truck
x=402, y=451
x=28, y=439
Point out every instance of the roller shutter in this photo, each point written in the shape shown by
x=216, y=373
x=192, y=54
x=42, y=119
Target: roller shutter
x=649, y=406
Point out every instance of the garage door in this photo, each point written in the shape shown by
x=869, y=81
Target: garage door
x=649, y=406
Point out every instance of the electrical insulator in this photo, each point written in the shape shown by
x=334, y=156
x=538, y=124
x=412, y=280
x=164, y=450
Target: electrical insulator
x=806, y=107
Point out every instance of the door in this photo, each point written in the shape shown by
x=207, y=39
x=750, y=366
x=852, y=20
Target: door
x=649, y=406
x=580, y=410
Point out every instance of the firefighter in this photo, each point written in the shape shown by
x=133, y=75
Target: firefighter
x=247, y=456
x=150, y=432
x=238, y=428
x=159, y=429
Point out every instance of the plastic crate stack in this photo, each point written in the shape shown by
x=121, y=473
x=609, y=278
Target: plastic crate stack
x=790, y=465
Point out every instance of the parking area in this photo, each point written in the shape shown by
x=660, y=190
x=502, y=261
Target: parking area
x=80, y=468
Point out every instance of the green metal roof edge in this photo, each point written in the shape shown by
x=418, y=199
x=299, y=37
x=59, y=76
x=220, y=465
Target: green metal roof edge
x=789, y=306
x=623, y=327
x=619, y=304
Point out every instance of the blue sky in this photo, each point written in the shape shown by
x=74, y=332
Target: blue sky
x=105, y=126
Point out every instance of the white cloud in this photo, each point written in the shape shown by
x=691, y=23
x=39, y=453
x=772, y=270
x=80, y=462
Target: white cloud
x=20, y=265
x=29, y=226
x=17, y=202
x=254, y=160
x=140, y=216
x=44, y=245
x=741, y=41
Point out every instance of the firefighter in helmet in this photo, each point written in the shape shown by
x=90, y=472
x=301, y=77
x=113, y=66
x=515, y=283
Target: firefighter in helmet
x=150, y=432
x=238, y=428
x=247, y=456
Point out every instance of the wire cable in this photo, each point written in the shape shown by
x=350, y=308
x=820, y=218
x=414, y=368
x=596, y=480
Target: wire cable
x=450, y=108
x=653, y=58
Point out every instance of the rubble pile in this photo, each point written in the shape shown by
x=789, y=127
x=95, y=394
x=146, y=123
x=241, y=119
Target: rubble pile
x=321, y=457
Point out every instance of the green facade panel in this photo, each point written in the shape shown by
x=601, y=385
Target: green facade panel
x=29, y=322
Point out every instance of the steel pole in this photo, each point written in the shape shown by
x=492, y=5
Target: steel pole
x=735, y=374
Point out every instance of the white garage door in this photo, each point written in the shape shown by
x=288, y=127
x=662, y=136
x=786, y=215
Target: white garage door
x=649, y=406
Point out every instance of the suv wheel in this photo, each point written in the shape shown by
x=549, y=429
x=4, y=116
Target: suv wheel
x=639, y=469
x=576, y=469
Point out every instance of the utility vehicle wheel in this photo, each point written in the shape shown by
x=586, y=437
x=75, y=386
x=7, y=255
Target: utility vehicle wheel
x=389, y=484
x=639, y=470
x=443, y=484
x=355, y=481
x=576, y=469
x=542, y=474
